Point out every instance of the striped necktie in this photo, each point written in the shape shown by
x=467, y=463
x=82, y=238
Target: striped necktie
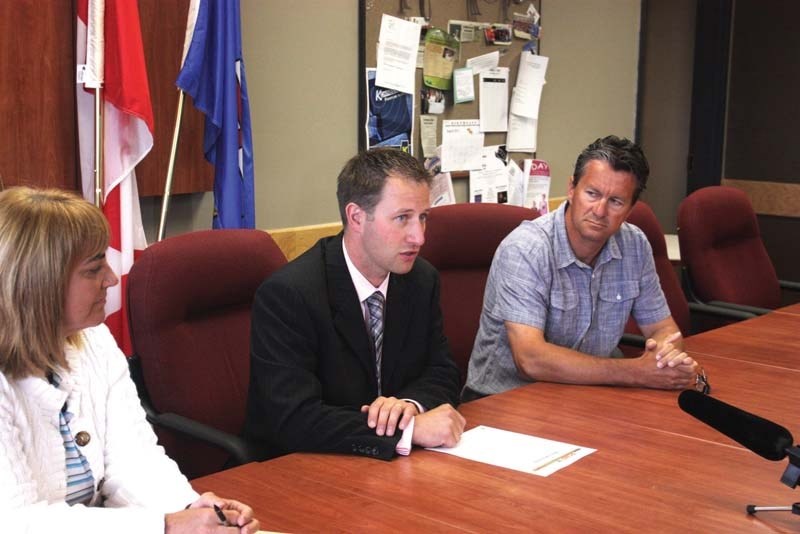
x=375, y=307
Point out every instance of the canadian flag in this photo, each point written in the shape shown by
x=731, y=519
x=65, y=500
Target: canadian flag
x=109, y=44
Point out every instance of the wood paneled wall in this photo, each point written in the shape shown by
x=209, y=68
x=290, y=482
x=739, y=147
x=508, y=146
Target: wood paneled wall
x=38, y=132
x=163, y=30
x=37, y=94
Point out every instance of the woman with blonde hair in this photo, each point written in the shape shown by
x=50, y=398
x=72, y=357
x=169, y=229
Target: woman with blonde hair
x=76, y=453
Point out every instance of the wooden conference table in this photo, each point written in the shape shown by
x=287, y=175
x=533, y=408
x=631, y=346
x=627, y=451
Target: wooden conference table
x=656, y=468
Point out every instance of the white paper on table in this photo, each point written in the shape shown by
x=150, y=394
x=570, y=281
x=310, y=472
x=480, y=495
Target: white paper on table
x=397, y=54
x=521, y=134
x=427, y=134
x=442, y=190
x=462, y=142
x=484, y=62
x=463, y=85
x=516, y=184
x=529, y=454
x=489, y=186
x=494, y=100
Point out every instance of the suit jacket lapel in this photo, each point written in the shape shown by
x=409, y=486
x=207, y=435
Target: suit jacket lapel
x=348, y=316
x=399, y=307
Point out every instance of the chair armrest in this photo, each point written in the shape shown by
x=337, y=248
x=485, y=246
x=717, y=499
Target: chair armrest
x=755, y=310
x=634, y=340
x=790, y=285
x=239, y=449
x=720, y=311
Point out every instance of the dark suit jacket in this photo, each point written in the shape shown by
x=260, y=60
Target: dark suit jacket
x=312, y=366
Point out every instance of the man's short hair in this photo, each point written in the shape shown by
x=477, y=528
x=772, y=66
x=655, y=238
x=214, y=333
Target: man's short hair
x=621, y=155
x=363, y=177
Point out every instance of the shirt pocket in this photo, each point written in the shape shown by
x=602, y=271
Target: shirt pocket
x=615, y=304
x=562, y=320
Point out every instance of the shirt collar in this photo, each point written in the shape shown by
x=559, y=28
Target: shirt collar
x=364, y=289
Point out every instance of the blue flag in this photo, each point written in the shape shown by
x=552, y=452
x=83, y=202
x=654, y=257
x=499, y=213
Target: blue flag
x=213, y=74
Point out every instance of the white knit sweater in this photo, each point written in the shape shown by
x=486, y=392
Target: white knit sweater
x=141, y=483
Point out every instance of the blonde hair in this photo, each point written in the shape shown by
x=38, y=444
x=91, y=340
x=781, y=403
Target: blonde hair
x=44, y=235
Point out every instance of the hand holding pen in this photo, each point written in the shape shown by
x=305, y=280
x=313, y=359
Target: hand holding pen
x=210, y=513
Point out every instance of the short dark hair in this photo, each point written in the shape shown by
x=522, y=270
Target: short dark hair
x=363, y=177
x=621, y=154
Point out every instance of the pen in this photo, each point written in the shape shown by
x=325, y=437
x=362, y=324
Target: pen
x=557, y=459
x=221, y=516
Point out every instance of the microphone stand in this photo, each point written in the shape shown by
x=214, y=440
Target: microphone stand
x=790, y=477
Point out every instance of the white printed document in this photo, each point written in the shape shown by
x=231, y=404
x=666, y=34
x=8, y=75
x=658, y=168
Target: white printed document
x=494, y=100
x=462, y=143
x=479, y=64
x=397, y=54
x=463, y=86
x=523, y=117
x=529, y=454
x=442, y=190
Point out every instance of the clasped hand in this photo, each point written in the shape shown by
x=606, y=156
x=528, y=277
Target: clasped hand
x=387, y=414
x=666, y=366
x=441, y=426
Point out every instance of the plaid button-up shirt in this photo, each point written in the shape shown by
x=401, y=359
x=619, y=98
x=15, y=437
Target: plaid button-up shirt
x=536, y=280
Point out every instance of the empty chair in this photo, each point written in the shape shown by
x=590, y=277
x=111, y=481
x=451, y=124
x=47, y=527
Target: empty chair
x=721, y=249
x=189, y=300
x=460, y=242
x=643, y=217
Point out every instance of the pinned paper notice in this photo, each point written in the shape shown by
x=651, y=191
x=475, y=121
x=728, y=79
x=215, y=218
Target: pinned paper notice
x=462, y=143
x=397, y=54
x=479, y=64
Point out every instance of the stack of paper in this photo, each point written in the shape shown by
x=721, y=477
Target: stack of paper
x=523, y=118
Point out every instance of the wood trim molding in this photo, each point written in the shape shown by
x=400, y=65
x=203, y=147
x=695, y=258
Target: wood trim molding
x=555, y=202
x=297, y=239
x=770, y=198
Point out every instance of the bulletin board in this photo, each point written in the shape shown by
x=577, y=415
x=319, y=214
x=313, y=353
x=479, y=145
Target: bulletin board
x=439, y=12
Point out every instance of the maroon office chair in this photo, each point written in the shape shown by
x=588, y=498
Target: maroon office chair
x=725, y=260
x=643, y=217
x=460, y=242
x=189, y=301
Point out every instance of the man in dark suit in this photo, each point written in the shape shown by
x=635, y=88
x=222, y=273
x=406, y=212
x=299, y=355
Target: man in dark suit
x=347, y=349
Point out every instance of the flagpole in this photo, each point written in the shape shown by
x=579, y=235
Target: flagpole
x=176, y=132
x=98, y=147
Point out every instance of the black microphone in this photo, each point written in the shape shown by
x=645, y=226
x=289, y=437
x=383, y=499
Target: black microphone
x=765, y=438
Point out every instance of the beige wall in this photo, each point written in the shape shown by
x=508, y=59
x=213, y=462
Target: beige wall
x=301, y=63
x=591, y=78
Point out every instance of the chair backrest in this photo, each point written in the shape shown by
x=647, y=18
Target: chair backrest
x=722, y=250
x=460, y=242
x=642, y=216
x=189, y=301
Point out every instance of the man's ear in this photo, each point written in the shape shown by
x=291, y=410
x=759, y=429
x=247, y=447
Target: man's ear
x=570, y=188
x=355, y=216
